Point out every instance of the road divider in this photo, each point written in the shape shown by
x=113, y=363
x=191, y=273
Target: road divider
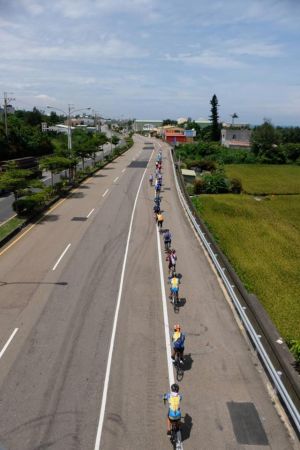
x=165, y=312
x=61, y=256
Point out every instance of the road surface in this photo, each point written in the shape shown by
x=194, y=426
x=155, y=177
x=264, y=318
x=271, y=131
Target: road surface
x=95, y=254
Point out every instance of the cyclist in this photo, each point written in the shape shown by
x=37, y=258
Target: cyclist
x=157, y=199
x=167, y=239
x=171, y=258
x=156, y=208
x=178, y=339
x=174, y=282
x=174, y=413
x=151, y=179
x=160, y=219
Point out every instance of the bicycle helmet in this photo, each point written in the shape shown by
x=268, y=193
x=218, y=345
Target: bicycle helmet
x=175, y=388
x=177, y=327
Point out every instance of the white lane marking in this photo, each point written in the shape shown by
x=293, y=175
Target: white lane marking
x=7, y=220
x=165, y=311
x=113, y=333
x=116, y=179
x=123, y=170
x=46, y=179
x=61, y=256
x=103, y=195
x=91, y=212
x=8, y=342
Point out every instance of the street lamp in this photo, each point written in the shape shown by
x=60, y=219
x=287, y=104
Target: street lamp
x=70, y=111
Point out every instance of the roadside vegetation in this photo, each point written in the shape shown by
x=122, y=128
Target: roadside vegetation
x=261, y=240
x=10, y=226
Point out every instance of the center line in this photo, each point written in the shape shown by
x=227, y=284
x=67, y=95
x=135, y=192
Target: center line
x=90, y=213
x=8, y=342
x=103, y=195
x=113, y=333
x=123, y=170
x=165, y=312
x=116, y=179
x=61, y=256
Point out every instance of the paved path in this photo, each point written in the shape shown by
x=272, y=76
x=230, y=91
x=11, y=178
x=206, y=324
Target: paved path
x=59, y=287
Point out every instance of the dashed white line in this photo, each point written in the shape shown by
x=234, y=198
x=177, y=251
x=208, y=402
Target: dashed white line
x=113, y=334
x=116, y=179
x=123, y=170
x=104, y=194
x=61, y=256
x=8, y=342
x=91, y=212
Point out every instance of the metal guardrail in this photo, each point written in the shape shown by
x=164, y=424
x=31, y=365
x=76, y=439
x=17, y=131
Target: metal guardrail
x=256, y=338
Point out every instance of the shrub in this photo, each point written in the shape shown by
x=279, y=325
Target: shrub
x=30, y=205
x=199, y=185
x=235, y=185
x=295, y=349
x=216, y=183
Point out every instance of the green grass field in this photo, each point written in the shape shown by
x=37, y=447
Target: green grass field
x=266, y=179
x=262, y=241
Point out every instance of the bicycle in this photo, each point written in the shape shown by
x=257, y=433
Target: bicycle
x=176, y=438
x=175, y=300
x=167, y=245
x=178, y=367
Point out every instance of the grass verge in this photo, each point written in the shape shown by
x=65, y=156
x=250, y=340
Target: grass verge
x=10, y=226
x=266, y=179
x=261, y=240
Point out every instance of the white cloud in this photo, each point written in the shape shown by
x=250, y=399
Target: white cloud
x=207, y=58
x=261, y=49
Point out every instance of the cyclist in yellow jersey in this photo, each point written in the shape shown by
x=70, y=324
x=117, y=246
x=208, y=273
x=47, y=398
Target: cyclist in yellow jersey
x=174, y=413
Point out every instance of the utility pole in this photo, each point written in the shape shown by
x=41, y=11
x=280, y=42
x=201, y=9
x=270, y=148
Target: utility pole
x=7, y=100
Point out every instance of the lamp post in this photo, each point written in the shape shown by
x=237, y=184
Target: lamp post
x=68, y=114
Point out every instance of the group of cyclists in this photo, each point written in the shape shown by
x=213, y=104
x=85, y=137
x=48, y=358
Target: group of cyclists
x=173, y=398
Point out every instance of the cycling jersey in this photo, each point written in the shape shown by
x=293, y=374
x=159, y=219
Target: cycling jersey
x=174, y=283
x=174, y=399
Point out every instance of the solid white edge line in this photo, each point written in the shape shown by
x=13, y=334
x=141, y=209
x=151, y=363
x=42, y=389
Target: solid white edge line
x=91, y=212
x=165, y=311
x=113, y=334
x=7, y=220
x=104, y=194
x=116, y=179
x=61, y=256
x=8, y=342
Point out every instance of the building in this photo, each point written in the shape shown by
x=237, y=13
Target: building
x=203, y=123
x=146, y=125
x=235, y=137
x=189, y=176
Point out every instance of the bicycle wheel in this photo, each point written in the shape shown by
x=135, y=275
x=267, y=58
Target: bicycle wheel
x=179, y=372
x=178, y=445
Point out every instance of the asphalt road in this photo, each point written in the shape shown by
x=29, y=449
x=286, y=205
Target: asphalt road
x=60, y=285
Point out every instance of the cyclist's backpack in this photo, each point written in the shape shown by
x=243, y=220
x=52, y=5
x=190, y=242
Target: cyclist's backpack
x=180, y=342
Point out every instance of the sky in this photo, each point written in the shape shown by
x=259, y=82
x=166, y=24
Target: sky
x=154, y=59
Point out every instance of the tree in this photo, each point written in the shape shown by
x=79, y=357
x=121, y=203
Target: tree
x=55, y=164
x=115, y=140
x=169, y=122
x=264, y=143
x=17, y=180
x=214, y=117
